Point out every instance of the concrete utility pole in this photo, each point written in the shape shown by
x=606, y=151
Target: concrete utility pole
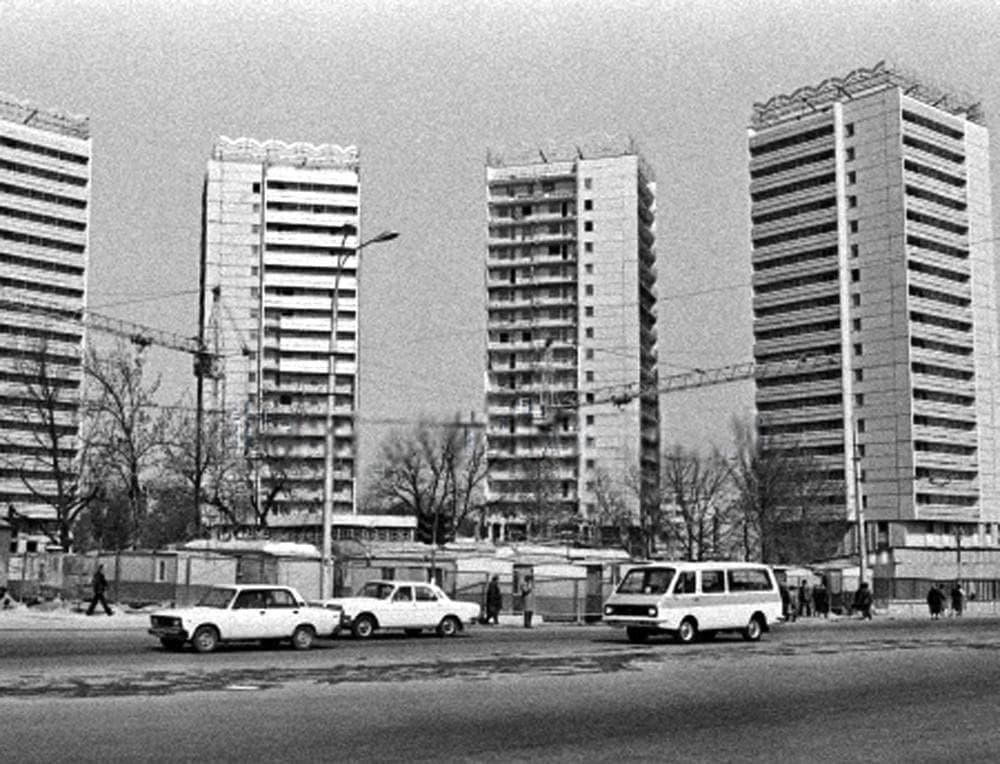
x=326, y=554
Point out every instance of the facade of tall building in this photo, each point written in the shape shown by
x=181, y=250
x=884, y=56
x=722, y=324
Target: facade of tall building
x=280, y=310
x=873, y=258
x=571, y=302
x=45, y=175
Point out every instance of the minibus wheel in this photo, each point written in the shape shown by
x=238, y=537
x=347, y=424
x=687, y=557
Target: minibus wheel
x=636, y=634
x=687, y=632
x=754, y=628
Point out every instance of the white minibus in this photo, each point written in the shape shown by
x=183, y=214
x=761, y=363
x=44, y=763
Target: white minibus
x=688, y=599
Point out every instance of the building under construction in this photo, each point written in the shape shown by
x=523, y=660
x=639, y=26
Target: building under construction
x=45, y=181
x=873, y=249
x=571, y=301
x=280, y=312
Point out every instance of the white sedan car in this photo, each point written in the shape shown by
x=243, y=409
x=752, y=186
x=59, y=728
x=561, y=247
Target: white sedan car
x=244, y=613
x=408, y=605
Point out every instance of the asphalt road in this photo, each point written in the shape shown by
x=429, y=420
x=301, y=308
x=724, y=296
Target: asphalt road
x=914, y=691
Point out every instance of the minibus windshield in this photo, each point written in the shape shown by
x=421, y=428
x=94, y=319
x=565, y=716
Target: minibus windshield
x=646, y=581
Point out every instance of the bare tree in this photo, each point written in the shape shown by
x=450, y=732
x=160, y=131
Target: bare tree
x=435, y=472
x=128, y=425
x=695, y=487
x=244, y=475
x=48, y=445
x=783, y=501
x=614, y=513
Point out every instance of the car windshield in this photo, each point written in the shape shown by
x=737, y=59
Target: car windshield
x=377, y=589
x=646, y=581
x=217, y=598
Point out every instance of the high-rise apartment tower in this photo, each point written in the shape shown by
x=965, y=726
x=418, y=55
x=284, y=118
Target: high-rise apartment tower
x=571, y=300
x=873, y=258
x=44, y=221
x=280, y=308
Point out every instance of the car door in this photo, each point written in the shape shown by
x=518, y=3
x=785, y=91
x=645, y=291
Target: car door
x=282, y=613
x=247, y=618
x=713, y=600
x=400, y=610
x=429, y=608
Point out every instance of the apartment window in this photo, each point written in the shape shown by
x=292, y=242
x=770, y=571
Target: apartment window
x=548, y=186
x=588, y=204
x=859, y=399
x=590, y=464
x=589, y=353
x=589, y=332
x=590, y=398
x=588, y=311
x=854, y=226
x=855, y=274
x=589, y=376
x=858, y=349
x=588, y=268
x=852, y=201
x=590, y=441
x=859, y=375
x=256, y=188
x=588, y=246
x=856, y=300
x=849, y=130
x=854, y=250
x=590, y=418
x=588, y=289
x=588, y=183
x=852, y=178
x=850, y=154
x=861, y=425
x=254, y=270
x=856, y=324
x=588, y=225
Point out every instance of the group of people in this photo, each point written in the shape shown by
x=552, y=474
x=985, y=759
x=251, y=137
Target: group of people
x=806, y=600
x=936, y=600
x=494, y=600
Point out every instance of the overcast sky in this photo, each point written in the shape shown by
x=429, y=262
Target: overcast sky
x=424, y=88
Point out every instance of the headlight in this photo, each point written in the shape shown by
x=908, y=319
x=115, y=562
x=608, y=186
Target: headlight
x=652, y=612
x=608, y=610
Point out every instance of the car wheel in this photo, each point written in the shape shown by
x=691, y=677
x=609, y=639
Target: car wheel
x=636, y=635
x=205, y=639
x=173, y=645
x=413, y=632
x=754, y=629
x=687, y=632
x=448, y=627
x=302, y=637
x=363, y=627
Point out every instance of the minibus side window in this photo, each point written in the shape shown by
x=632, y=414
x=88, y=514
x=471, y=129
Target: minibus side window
x=749, y=580
x=685, y=583
x=713, y=582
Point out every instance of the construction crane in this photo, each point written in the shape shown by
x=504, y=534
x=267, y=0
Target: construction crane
x=620, y=395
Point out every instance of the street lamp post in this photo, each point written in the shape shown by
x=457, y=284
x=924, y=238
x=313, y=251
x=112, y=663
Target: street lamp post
x=329, y=456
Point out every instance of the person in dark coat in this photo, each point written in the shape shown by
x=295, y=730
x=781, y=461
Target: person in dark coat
x=821, y=599
x=935, y=601
x=100, y=585
x=863, y=600
x=957, y=599
x=494, y=601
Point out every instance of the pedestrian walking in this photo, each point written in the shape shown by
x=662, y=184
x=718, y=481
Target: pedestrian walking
x=494, y=601
x=957, y=598
x=99, y=584
x=935, y=601
x=863, y=601
x=787, y=605
x=528, y=600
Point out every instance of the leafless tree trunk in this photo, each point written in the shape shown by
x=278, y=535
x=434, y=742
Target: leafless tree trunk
x=49, y=445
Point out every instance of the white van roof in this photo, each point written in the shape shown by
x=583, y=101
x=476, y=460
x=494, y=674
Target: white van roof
x=700, y=565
